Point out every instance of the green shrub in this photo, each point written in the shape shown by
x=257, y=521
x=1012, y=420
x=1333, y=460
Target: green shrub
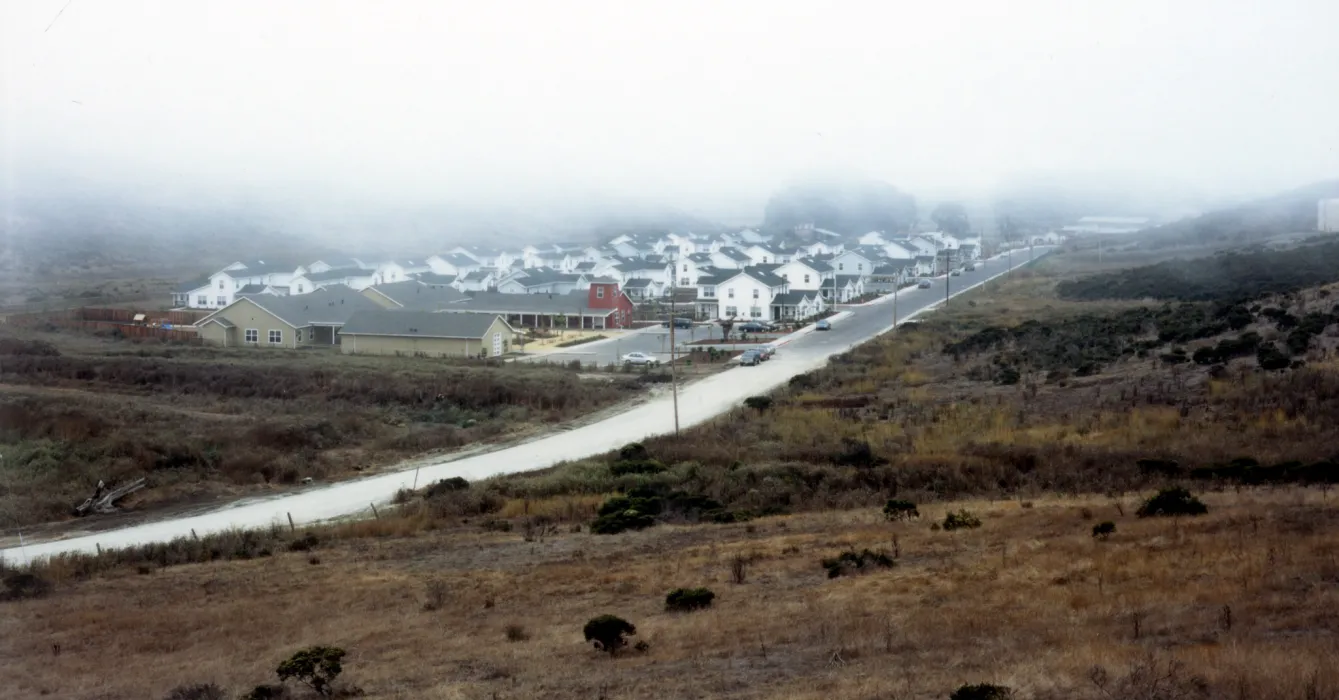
x=622, y=513
x=445, y=486
x=636, y=466
x=318, y=667
x=759, y=403
x=851, y=562
x=197, y=691
x=1103, y=530
x=688, y=599
x=21, y=586
x=1270, y=359
x=1172, y=502
x=633, y=452
x=1008, y=375
x=982, y=691
x=609, y=633
x=900, y=510
x=961, y=520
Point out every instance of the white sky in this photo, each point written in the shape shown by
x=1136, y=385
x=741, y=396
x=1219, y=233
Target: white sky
x=688, y=101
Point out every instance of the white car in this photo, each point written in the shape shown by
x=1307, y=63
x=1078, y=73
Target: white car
x=639, y=358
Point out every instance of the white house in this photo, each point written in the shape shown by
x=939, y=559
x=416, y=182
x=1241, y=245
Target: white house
x=641, y=288
x=456, y=264
x=747, y=294
x=643, y=269
x=730, y=258
x=224, y=284
x=357, y=280
x=691, y=267
x=820, y=248
x=805, y=274
x=858, y=261
x=541, y=280
x=872, y=238
x=797, y=305
x=898, y=251
x=334, y=264
x=393, y=271
x=480, y=280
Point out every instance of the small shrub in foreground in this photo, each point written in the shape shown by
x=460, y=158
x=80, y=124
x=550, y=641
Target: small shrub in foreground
x=197, y=691
x=1103, y=530
x=900, y=510
x=851, y=562
x=20, y=586
x=316, y=666
x=688, y=599
x=961, y=520
x=982, y=691
x=609, y=633
x=1172, y=502
x=516, y=633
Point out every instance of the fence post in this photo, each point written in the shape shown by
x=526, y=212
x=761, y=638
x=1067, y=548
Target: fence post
x=99, y=548
x=291, y=526
x=375, y=514
x=193, y=535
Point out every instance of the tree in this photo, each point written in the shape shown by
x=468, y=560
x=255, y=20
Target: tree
x=609, y=633
x=727, y=324
x=951, y=218
x=896, y=509
x=316, y=666
x=1172, y=502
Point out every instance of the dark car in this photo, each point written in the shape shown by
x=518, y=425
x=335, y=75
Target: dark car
x=678, y=323
x=971, y=268
x=823, y=325
x=753, y=327
x=924, y=284
x=750, y=357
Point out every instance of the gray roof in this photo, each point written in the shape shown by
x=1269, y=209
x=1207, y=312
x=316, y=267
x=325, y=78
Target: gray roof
x=604, y=280
x=459, y=260
x=791, y=298
x=734, y=253
x=815, y=265
x=760, y=273
x=434, y=278
x=635, y=265
x=337, y=274
x=476, y=275
x=418, y=324
x=260, y=267
x=328, y=306
x=418, y=296
x=537, y=276
x=341, y=264
x=585, y=266
x=639, y=282
x=499, y=303
x=716, y=277
x=700, y=257
x=251, y=289
x=843, y=280
x=191, y=285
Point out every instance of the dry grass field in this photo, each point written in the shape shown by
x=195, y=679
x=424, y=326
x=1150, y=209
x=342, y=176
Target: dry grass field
x=1241, y=603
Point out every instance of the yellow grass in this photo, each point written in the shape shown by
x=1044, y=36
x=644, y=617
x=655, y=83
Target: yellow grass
x=1245, y=597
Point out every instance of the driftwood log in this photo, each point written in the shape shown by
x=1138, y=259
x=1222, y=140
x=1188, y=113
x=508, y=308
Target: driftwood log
x=104, y=501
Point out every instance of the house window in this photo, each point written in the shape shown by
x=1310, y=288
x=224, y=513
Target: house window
x=685, y=268
x=730, y=293
x=299, y=335
x=300, y=289
x=806, y=279
x=785, y=276
x=202, y=300
x=860, y=267
x=276, y=337
x=841, y=266
x=252, y=335
x=731, y=311
x=755, y=294
x=220, y=284
x=237, y=284
x=709, y=291
x=599, y=292
x=755, y=312
x=223, y=301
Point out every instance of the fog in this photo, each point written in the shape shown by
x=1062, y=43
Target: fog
x=321, y=106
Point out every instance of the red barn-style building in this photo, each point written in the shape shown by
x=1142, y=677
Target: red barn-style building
x=607, y=295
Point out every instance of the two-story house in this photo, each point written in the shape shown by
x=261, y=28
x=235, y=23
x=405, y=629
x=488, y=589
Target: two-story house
x=399, y=270
x=730, y=258
x=805, y=274
x=455, y=264
x=224, y=284
x=747, y=294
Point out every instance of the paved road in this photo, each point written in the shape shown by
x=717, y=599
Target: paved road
x=698, y=402
x=653, y=341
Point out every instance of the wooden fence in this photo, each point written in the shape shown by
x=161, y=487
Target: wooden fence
x=116, y=321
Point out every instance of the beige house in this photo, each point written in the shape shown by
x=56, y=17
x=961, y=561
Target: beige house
x=425, y=333
x=283, y=322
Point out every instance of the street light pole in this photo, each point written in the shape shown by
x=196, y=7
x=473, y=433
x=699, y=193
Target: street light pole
x=948, y=274
x=674, y=372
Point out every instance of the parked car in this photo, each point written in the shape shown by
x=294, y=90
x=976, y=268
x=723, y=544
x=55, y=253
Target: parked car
x=971, y=268
x=956, y=272
x=823, y=325
x=750, y=357
x=754, y=327
x=767, y=351
x=640, y=358
x=678, y=323
x=924, y=284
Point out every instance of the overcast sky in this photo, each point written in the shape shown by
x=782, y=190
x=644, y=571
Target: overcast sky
x=684, y=102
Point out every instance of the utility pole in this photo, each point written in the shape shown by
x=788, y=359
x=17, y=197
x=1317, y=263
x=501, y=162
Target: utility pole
x=674, y=372
x=948, y=275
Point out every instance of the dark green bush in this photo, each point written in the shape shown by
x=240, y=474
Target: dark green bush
x=1172, y=502
x=197, y=691
x=621, y=513
x=900, y=510
x=318, y=667
x=1103, y=530
x=609, y=633
x=688, y=599
x=758, y=403
x=624, y=467
x=961, y=520
x=851, y=562
x=445, y=486
x=982, y=691
x=1270, y=359
x=22, y=586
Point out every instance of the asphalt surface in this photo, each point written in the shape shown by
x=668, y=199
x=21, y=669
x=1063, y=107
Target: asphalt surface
x=697, y=402
x=652, y=341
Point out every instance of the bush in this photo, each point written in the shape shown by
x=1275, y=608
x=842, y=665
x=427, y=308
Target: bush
x=516, y=633
x=21, y=586
x=851, y=562
x=267, y=692
x=622, y=513
x=1008, y=376
x=1270, y=359
x=1103, y=530
x=759, y=403
x=438, y=488
x=961, y=520
x=609, y=633
x=197, y=691
x=316, y=666
x=900, y=510
x=306, y=543
x=982, y=691
x=1172, y=502
x=639, y=466
x=633, y=452
x=688, y=599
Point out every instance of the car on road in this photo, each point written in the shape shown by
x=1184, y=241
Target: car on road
x=924, y=284
x=823, y=325
x=678, y=323
x=971, y=268
x=957, y=272
x=754, y=327
x=767, y=351
x=640, y=358
x=750, y=357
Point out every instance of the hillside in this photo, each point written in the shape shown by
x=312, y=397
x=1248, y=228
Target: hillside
x=1288, y=212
